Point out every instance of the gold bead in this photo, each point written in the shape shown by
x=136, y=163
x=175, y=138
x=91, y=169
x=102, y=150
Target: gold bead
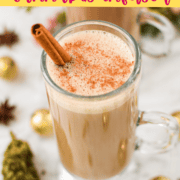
x=160, y=178
x=177, y=116
x=41, y=122
x=8, y=68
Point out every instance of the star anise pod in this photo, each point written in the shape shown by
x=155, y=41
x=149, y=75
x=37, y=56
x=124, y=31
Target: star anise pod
x=8, y=38
x=6, y=112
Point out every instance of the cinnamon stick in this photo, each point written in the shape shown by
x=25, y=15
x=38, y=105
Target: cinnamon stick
x=50, y=45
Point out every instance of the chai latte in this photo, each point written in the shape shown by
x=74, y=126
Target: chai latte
x=95, y=137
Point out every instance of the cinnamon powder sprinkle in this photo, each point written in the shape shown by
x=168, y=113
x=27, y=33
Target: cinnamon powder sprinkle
x=86, y=66
x=72, y=89
x=64, y=73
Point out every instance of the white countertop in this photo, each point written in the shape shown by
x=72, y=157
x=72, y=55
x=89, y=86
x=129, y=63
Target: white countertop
x=159, y=91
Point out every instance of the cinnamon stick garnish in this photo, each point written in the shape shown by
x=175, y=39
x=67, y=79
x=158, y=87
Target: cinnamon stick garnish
x=50, y=45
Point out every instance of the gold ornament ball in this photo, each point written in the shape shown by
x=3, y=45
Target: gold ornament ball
x=177, y=116
x=8, y=68
x=41, y=122
x=160, y=178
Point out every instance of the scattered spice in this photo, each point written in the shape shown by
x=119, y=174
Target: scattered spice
x=8, y=38
x=6, y=112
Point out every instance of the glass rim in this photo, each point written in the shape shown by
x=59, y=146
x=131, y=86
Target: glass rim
x=130, y=80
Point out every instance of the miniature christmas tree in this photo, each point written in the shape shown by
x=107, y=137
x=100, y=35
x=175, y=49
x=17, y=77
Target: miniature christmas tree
x=17, y=163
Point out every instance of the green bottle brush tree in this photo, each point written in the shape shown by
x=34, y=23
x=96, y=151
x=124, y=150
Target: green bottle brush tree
x=17, y=163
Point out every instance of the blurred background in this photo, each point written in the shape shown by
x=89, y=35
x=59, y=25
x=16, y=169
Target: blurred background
x=23, y=97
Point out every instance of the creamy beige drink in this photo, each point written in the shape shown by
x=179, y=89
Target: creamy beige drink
x=101, y=63
x=121, y=16
x=95, y=137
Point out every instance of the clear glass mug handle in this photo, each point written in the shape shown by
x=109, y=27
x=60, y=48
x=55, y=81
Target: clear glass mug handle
x=156, y=132
x=163, y=24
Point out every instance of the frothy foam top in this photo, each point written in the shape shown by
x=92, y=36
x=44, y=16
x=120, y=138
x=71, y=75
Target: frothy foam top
x=101, y=62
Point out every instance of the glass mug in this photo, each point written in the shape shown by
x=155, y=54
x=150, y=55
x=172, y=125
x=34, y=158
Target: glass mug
x=96, y=135
x=129, y=19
